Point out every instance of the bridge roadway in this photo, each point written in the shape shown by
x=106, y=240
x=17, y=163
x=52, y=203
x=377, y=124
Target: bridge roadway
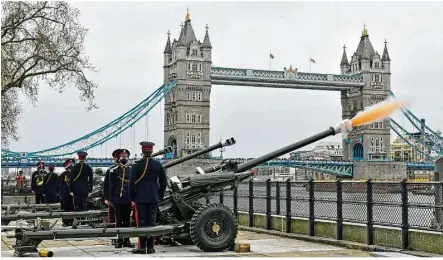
x=331, y=167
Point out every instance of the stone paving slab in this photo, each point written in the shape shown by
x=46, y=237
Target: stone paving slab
x=262, y=245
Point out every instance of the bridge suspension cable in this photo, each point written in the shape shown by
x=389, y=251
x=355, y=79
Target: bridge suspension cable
x=105, y=133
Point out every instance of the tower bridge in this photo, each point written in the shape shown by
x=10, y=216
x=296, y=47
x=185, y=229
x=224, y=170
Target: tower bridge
x=364, y=79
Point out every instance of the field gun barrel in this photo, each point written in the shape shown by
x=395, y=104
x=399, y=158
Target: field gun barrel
x=272, y=155
x=165, y=150
x=48, y=215
x=227, y=142
x=99, y=232
x=32, y=206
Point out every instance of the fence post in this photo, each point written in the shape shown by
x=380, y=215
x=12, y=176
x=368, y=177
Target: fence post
x=404, y=214
x=251, y=203
x=311, y=208
x=369, y=210
x=339, y=209
x=268, y=204
x=288, y=206
x=277, y=198
x=236, y=201
x=221, y=197
x=208, y=200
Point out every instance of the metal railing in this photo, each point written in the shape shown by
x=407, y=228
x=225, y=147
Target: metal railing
x=11, y=194
x=370, y=203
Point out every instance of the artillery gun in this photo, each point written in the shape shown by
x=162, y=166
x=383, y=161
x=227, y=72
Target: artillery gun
x=211, y=227
x=95, y=201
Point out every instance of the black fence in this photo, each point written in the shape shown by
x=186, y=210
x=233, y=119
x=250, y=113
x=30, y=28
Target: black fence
x=402, y=204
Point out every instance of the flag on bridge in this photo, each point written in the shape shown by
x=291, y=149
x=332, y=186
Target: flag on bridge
x=271, y=56
x=312, y=60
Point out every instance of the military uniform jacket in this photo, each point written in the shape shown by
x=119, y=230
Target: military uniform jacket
x=81, y=178
x=118, y=185
x=50, y=183
x=36, y=179
x=146, y=176
x=106, y=184
x=64, y=184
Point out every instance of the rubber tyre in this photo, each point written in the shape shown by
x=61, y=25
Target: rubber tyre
x=199, y=226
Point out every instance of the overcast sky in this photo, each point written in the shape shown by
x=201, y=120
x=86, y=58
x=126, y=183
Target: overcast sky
x=126, y=41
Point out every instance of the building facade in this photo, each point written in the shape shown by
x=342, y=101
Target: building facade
x=371, y=142
x=188, y=61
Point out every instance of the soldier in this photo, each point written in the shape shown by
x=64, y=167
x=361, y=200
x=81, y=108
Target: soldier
x=21, y=182
x=80, y=182
x=144, y=192
x=66, y=199
x=37, y=182
x=111, y=215
x=119, y=197
x=50, y=186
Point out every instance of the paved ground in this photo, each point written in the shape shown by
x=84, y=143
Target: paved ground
x=261, y=245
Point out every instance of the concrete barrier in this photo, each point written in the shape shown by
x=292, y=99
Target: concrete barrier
x=425, y=241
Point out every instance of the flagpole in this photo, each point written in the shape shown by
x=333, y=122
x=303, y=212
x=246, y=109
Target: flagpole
x=270, y=60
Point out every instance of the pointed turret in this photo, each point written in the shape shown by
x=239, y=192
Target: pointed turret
x=187, y=34
x=344, y=58
x=385, y=56
x=365, y=51
x=206, y=41
x=168, y=48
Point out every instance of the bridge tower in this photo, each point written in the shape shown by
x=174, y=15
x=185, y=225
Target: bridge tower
x=372, y=141
x=187, y=106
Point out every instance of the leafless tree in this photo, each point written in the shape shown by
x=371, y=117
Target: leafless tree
x=41, y=42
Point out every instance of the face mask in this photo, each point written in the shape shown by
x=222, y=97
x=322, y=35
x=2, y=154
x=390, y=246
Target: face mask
x=69, y=167
x=123, y=160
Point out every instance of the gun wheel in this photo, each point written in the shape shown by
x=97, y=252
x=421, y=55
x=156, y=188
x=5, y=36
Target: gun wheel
x=213, y=228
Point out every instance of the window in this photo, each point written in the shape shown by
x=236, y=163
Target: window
x=377, y=125
x=194, y=96
x=377, y=145
x=194, y=52
x=188, y=96
x=193, y=140
x=188, y=118
x=377, y=65
x=194, y=67
x=199, y=96
x=192, y=118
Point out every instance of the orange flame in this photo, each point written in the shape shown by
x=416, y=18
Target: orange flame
x=377, y=112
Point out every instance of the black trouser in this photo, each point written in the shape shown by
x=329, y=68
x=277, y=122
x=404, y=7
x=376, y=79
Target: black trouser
x=122, y=217
x=39, y=198
x=111, y=214
x=50, y=198
x=80, y=201
x=68, y=206
x=145, y=215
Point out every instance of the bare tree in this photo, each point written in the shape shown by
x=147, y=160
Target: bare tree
x=41, y=42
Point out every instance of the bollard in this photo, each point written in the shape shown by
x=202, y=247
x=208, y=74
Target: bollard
x=369, y=216
x=339, y=209
x=251, y=203
x=438, y=193
x=288, y=206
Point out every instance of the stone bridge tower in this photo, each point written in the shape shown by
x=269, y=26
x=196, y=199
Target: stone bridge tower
x=371, y=141
x=188, y=60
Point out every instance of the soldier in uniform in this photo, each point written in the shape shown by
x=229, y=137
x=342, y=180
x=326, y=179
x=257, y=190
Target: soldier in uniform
x=119, y=196
x=147, y=186
x=80, y=182
x=37, y=183
x=111, y=215
x=65, y=197
x=50, y=186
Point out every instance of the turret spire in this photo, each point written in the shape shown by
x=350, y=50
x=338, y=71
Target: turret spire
x=188, y=15
x=344, y=58
x=385, y=56
x=168, y=49
x=206, y=41
x=364, y=32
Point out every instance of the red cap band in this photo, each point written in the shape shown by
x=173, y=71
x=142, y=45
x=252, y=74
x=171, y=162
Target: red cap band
x=81, y=157
x=147, y=148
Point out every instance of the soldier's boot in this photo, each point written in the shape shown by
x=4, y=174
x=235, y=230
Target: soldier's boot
x=127, y=243
x=119, y=243
x=141, y=251
x=113, y=242
x=150, y=251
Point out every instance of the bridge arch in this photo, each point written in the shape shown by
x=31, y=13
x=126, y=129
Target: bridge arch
x=357, y=152
x=172, y=141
